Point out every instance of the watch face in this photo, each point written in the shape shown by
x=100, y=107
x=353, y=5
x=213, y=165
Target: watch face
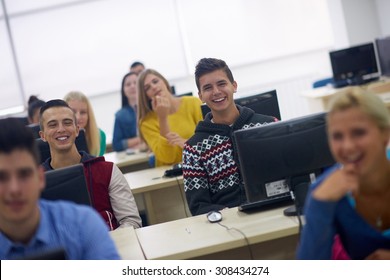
x=214, y=216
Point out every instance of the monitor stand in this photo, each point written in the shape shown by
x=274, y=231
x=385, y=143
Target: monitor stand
x=290, y=211
x=299, y=192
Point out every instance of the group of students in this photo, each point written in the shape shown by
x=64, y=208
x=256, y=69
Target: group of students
x=347, y=208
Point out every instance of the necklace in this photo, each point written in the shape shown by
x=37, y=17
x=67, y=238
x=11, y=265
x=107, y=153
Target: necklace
x=379, y=222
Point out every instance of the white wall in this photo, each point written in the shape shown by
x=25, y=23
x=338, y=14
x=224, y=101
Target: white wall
x=362, y=22
x=306, y=67
x=383, y=10
x=294, y=54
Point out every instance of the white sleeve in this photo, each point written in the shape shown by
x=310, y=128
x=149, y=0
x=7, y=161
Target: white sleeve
x=122, y=200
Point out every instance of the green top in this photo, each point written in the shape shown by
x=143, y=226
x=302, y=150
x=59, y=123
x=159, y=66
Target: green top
x=102, y=142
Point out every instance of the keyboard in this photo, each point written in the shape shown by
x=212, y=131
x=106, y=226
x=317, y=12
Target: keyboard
x=267, y=204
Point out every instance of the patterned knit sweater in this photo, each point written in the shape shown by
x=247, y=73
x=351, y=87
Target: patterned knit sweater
x=212, y=179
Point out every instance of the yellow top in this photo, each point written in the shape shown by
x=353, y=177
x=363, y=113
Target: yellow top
x=183, y=122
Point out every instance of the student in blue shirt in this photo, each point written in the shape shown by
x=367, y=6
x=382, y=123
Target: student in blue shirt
x=125, y=126
x=30, y=225
x=350, y=202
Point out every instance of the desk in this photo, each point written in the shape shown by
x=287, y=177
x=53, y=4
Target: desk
x=270, y=234
x=126, y=242
x=128, y=163
x=318, y=98
x=164, y=198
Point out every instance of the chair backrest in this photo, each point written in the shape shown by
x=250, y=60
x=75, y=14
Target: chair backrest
x=44, y=148
x=67, y=183
x=322, y=82
x=35, y=128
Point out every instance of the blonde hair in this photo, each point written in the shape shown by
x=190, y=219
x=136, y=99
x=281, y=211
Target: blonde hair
x=144, y=104
x=366, y=101
x=92, y=133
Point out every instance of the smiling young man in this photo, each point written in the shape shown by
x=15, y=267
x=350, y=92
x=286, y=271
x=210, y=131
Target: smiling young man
x=212, y=179
x=109, y=191
x=29, y=225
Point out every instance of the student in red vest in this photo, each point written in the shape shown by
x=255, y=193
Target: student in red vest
x=109, y=191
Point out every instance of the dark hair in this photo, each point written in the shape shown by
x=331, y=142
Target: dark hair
x=14, y=135
x=136, y=63
x=34, y=104
x=125, y=101
x=50, y=104
x=208, y=65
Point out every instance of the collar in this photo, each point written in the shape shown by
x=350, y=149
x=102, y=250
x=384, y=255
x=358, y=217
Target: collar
x=41, y=236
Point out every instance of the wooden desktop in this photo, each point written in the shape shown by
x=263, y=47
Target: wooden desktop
x=260, y=235
x=126, y=242
x=129, y=162
x=318, y=98
x=162, y=198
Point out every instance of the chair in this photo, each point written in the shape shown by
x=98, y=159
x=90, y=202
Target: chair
x=67, y=183
x=44, y=148
x=35, y=128
x=185, y=94
x=323, y=82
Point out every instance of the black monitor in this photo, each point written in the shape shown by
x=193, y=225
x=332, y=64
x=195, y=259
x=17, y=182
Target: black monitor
x=44, y=148
x=383, y=51
x=354, y=66
x=67, y=183
x=265, y=103
x=281, y=157
x=47, y=254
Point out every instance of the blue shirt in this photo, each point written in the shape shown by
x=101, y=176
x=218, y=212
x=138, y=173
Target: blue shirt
x=78, y=229
x=125, y=127
x=325, y=219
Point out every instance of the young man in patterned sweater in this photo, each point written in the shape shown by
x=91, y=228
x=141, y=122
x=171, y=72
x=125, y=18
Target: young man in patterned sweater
x=212, y=179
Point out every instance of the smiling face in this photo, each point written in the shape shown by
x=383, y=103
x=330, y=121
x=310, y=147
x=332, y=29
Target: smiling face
x=21, y=183
x=59, y=128
x=80, y=109
x=355, y=139
x=154, y=86
x=217, y=91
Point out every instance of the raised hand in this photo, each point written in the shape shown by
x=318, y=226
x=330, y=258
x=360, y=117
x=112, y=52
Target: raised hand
x=175, y=139
x=161, y=105
x=338, y=184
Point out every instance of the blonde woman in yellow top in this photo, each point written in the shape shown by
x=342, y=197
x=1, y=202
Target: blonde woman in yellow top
x=165, y=121
x=96, y=138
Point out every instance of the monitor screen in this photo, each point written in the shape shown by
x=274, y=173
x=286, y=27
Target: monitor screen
x=383, y=51
x=276, y=158
x=355, y=65
x=67, y=183
x=263, y=103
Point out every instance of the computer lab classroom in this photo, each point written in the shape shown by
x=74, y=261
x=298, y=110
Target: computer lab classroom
x=52, y=47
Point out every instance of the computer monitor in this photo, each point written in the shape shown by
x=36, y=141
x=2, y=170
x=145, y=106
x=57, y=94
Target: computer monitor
x=281, y=157
x=383, y=51
x=67, y=183
x=265, y=103
x=47, y=254
x=354, y=66
x=44, y=148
